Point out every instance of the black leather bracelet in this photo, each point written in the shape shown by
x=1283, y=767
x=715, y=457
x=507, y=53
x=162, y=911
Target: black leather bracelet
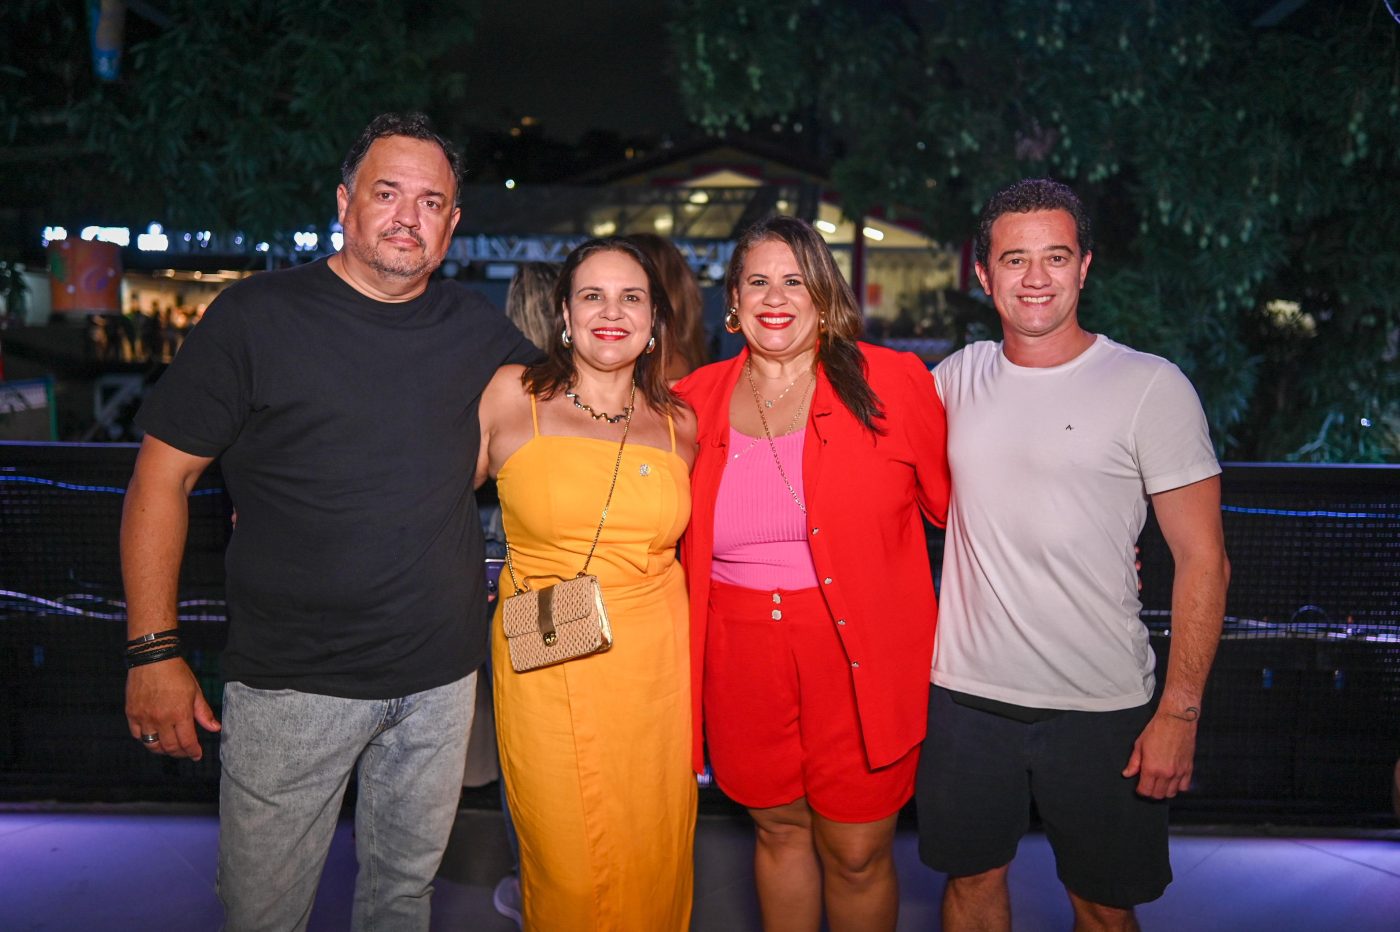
x=149, y=646
x=153, y=636
x=152, y=656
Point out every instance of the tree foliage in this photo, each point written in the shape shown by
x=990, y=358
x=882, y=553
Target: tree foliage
x=44, y=72
x=1245, y=181
x=233, y=115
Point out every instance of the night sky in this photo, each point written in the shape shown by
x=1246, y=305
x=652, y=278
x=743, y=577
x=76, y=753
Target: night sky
x=575, y=67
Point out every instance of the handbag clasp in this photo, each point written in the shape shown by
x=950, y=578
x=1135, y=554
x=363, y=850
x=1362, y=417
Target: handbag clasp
x=546, y=604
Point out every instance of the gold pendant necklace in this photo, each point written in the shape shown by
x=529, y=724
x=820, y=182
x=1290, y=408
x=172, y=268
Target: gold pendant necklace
x=797, y=417
x=758, y=404
x=769, y=403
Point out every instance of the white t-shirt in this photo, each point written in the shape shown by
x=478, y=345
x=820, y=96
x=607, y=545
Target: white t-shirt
x=1051, y=473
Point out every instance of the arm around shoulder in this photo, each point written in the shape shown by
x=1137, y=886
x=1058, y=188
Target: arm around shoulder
x=927, y=426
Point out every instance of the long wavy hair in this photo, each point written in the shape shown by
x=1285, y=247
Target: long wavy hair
x=530, y=299
x=557, y=372
x=837, y=346
x=686, y=352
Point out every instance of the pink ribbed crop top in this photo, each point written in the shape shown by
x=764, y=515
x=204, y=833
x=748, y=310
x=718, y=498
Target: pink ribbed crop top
x=760, y=533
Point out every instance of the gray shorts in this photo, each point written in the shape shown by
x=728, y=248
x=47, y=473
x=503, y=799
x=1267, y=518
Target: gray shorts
x=980, y=772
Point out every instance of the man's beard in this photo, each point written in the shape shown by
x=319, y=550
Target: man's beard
x=396, y=264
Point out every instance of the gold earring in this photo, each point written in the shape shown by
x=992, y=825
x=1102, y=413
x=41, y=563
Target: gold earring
x=731, y=320
x=651, y=344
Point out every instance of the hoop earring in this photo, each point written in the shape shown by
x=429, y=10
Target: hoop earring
x=821, y=323
x=651, y=344
x=731, y=320
x=565, y=338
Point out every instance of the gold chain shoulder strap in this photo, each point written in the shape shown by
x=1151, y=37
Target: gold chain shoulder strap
x=617, y=468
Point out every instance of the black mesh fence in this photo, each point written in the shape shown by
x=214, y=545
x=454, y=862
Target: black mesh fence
x=1302, y=712
x=1302, y=715
x=63, y=733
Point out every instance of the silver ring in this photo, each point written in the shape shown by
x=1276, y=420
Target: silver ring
x=149, y=739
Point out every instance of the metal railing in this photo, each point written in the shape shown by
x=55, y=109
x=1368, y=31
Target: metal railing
x=1303, y=706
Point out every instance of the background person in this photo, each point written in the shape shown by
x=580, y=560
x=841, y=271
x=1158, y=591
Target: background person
x=341, y=396
x=594, y=750
x=529, y=300
x=1043, y=674
x=812, y=607
x=686, y=350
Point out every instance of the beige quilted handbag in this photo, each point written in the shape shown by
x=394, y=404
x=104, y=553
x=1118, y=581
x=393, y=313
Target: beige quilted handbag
x=556, y=623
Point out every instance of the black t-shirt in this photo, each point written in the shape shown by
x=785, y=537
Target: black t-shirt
x=347, y=430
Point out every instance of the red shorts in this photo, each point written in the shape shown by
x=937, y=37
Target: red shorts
x=780, y=710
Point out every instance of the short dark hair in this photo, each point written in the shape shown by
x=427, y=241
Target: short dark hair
x=1025, y=196
x=556, y=373
x=412, y=125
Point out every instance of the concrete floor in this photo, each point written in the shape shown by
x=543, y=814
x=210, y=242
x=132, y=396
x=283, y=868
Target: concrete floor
x=109, y=868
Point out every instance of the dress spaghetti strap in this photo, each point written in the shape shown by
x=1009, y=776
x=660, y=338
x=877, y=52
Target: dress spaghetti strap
x=535, y=416
x=671, y=426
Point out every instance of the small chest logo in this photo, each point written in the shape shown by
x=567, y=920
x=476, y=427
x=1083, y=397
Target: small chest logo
x=1069, y=427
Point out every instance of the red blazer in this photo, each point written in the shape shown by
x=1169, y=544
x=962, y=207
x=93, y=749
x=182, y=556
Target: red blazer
x=863, y=494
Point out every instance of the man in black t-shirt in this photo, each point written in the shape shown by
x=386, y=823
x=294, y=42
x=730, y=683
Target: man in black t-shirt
x=341, y=398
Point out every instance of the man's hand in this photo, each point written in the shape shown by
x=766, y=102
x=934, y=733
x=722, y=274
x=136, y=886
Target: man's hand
x=165, y=699
x=1163, y=756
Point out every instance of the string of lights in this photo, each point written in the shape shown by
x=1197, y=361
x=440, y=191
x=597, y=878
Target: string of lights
x=75, y=487
x=101, y=609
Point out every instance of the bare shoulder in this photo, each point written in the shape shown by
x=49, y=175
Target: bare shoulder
x=505, y=392
x=505, y=407
x=506, y=423
x=506, y=381
x=685, y=422
x=686, y=432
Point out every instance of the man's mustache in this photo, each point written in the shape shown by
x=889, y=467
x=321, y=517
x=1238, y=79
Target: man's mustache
x=404, y=231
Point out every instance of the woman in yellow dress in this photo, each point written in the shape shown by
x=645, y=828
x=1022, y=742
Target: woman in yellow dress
x=596, y=751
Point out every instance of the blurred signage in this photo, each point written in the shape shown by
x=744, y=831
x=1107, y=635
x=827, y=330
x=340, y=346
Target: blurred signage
x=85, y=277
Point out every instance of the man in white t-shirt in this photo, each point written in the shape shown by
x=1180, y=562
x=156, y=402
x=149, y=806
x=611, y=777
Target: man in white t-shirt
x=1043, y=675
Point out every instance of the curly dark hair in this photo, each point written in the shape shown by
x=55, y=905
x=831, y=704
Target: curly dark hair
x=1025, y=196
x=412, y=125
x=556, y=373
x=838, y=348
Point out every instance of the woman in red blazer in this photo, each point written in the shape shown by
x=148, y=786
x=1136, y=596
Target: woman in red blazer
x=812, y=609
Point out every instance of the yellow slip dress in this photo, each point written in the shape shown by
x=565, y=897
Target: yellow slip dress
x=595, y=752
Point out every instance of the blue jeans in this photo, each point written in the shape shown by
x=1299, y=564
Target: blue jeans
x=286, y=759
